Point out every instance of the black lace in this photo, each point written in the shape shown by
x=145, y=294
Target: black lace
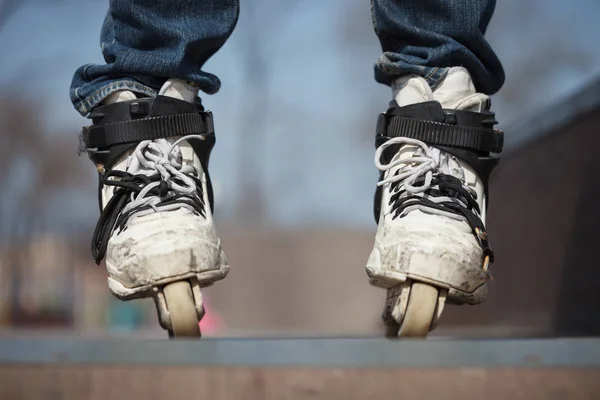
x=111, y=217
x=444, y=185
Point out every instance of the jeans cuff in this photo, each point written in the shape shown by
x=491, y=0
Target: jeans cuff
x=86, y=104
x=434, y=75
x=388, y=68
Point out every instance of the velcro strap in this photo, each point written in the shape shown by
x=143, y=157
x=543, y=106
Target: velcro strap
x=441, y=134
x=150, y=128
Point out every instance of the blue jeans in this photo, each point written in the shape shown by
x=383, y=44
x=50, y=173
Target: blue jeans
x=146, y=42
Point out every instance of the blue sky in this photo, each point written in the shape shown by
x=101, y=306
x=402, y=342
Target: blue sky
x=317, y=156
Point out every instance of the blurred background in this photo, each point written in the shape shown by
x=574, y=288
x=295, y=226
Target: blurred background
x=294, y=174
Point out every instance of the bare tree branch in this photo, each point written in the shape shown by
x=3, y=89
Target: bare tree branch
x=7, y=8
x=50, y=157
x=255, y=47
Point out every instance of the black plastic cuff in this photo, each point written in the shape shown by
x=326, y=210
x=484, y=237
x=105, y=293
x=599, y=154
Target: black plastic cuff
x=150, y=128
x=441, y=134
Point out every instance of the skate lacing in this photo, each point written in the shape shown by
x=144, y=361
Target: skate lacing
x=419, y=183
x=155, y=180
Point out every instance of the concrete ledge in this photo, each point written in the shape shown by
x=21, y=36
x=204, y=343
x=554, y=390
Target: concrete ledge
x=306, y=352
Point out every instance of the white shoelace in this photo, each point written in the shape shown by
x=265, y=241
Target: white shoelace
x=159, y=157
x=415, y=166
x=424, y=162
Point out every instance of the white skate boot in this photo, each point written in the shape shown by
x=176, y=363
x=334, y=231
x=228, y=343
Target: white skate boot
x=434, y=151
x=156, y=228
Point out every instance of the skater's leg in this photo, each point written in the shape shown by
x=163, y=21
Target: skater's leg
x=146, y=42
x=426, y=37
x=150, y=140
x=436, y=147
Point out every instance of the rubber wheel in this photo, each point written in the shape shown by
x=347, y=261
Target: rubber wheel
x=420, y=311
x=182, y=310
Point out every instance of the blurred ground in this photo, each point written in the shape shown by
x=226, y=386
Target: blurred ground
x=68, y=383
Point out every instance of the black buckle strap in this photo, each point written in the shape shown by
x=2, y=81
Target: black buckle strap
x=441, y=134
x=150, y=128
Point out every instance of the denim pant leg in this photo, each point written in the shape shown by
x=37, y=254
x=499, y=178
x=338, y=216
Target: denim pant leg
x=426, y=37
x=146, y=42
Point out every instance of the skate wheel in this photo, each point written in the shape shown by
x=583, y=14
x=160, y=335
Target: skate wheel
x=420, y=311
x=180, y=304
